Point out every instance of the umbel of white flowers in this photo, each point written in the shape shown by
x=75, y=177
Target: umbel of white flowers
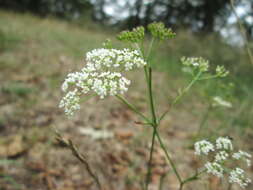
x=221, y=155
x=102, y=75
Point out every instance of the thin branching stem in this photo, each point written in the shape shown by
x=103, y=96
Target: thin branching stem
x=154, y=122
x=185, y=90
x=151, y=100
x=210, y=77
x=169, y=158
x=191, y=178
x=181, y=94
x=133, y=108
x=150, y=159
x=243, y=32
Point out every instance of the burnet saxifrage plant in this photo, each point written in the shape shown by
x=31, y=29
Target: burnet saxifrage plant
x=104, y=75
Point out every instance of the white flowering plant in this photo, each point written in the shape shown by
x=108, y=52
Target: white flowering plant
x=104, y=75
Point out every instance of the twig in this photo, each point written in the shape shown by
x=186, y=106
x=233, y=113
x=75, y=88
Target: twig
x=69, y=144
x=242, y=31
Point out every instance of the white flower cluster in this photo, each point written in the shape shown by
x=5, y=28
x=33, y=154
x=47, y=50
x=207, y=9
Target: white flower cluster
x=203, y=147
x=196, y=63
x=224, y=143
x=241, y=155
x=70, y=102
x=215, y=169
x=222, y=152
x=218, y=101
x=238, y=176
x=102, y=76
x=221, y=156
x=199, y=64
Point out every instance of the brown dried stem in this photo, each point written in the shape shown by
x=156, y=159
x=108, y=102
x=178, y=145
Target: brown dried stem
x=69, y=144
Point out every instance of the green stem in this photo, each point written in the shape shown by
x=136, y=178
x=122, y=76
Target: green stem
x=185, y=90
x=169, y=158
x=133, y=108
x=150, y=159
x=192, y=178
x=153, y=124
x=152, y=107
x=210, y=77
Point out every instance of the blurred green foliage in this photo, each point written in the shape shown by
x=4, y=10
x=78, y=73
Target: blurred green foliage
x=16, y=89
x=8, y=40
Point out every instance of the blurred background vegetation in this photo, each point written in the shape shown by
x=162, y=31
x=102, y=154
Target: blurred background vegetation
x=42, y=40
x=204, y=28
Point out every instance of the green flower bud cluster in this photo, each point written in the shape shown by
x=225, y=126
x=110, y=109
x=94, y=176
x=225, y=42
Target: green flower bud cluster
x=135, y=36
x=159, y=30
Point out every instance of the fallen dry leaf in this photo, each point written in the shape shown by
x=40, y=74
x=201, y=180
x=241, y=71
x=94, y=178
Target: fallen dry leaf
x=13, y=147
x=123, y=134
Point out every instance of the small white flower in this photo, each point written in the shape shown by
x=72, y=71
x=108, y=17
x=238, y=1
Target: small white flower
x=238, y=176
x=241, y=155
x=215, y=169
x=224, y=143
x=203, y=147
x=221, y=156
x=218, y=101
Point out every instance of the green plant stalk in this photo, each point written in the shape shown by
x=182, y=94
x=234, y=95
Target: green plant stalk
x=150, y=159
x=155, y=126
x=210, y=77
x=169, y=158
x=154, y=122
x=148, y=77
x=152, y=107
